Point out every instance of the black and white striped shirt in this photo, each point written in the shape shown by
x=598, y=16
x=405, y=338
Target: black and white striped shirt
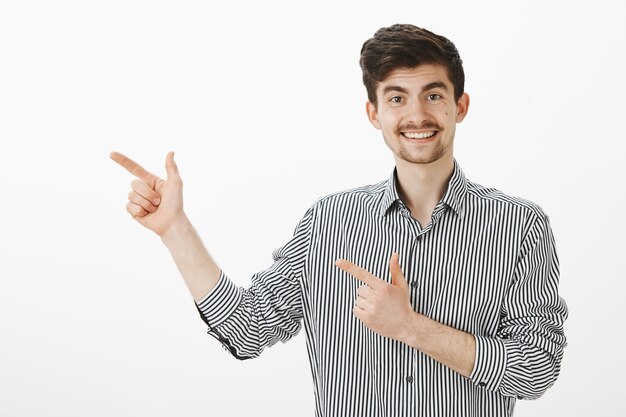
x=486, y=264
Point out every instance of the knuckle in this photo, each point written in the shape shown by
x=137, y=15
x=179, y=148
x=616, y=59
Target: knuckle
x=134, y=209
x=138, y=185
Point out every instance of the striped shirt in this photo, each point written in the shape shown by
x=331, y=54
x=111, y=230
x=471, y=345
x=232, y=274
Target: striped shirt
x=485, y=264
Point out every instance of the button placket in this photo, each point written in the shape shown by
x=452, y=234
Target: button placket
x=413, y=281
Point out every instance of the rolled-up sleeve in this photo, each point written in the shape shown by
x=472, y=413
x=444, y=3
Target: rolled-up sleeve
x=524, y=359
x=246, y=321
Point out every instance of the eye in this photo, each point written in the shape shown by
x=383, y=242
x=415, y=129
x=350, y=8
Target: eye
x=434, y=97
x=395, y=99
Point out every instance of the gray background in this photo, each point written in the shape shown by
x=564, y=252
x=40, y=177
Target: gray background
x=264, y=106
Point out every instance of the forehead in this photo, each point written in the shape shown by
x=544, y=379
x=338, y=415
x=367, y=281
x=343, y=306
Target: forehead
x=416, y=78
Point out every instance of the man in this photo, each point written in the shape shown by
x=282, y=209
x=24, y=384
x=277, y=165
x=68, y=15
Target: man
x=422, y=295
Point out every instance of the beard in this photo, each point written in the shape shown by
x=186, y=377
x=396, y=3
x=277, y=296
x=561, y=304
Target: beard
x=425, y=158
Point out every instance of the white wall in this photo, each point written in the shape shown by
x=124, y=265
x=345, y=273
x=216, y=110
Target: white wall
x=263, y=104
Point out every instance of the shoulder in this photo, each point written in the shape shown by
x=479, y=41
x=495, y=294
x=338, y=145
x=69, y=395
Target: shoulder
x=481, y=196
x=366, y=197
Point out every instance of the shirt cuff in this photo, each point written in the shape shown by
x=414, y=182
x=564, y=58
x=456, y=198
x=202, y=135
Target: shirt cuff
x=490, y=363
x=220, y=302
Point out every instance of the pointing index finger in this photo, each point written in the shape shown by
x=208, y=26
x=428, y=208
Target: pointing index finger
x=359, y=273
x=135, y=169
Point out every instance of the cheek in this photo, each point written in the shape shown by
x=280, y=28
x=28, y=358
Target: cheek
x=390, y=119
x=384, y=122
x=450, y=116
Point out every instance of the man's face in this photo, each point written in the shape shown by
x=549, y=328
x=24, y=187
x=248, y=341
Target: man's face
x=417, y=113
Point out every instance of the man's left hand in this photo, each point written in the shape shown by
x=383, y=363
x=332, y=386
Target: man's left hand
x=383, y=307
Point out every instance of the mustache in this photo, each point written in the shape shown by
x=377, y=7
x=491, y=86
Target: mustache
x=422, y=126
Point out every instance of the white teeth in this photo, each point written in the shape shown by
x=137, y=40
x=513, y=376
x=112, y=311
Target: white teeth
x=424, y=135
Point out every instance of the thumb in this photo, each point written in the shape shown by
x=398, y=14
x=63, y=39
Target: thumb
x=397, y=277
x=170, y=166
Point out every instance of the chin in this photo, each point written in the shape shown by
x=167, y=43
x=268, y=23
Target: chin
x=420, y=159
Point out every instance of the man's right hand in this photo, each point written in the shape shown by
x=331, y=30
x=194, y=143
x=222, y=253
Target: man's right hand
x=158, y=205
x=155, y=203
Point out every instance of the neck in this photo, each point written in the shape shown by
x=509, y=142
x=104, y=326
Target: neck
x=421, y=186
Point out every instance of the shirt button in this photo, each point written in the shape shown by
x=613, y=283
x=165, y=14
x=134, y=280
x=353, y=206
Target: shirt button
x=482, y=384
x=409, y=379
x=414, y=284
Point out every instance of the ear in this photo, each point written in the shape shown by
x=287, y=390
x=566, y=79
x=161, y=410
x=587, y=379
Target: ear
x=461, y=107
x=372, y=114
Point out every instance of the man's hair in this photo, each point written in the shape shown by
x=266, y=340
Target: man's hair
x=407, y=46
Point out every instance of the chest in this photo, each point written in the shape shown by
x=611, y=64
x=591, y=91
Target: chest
x=458, y=269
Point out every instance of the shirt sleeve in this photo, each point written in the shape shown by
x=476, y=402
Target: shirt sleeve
x=246, y=321
x=524, y=359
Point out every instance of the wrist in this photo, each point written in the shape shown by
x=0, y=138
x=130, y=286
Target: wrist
x=411, y=330
x=179, y=227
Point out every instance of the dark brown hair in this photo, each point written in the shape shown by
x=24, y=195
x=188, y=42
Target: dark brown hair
x=407, y=46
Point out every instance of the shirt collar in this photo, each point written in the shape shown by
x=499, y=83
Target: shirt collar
x=453, y=197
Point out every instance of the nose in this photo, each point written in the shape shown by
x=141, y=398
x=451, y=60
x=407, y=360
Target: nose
x=416, y=112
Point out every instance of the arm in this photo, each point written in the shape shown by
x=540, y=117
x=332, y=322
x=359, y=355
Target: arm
x=522, y=360
x=196, y=266
x=524, y=357
x=157, y=204
x=245, y=321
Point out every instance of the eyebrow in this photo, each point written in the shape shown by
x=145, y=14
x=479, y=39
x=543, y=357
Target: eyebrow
x=430, y=86
x=397, y=88
x=436, y=84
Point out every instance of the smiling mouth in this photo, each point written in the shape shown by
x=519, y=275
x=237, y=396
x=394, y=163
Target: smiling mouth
x=420, y=135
